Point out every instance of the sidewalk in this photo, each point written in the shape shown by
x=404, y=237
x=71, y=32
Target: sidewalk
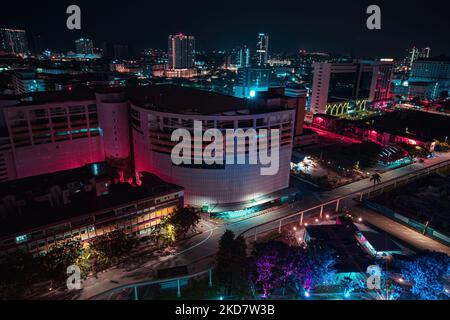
x=401, y=232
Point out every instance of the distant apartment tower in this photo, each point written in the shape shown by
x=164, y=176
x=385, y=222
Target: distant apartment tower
x=340, y=88
x=252, y=80
x=416, y=53
x=262, y=49
x=84, y=46
x=13, y=41
x=432, y=72
x=181, y=53
x=27, y=81
x=241, y=57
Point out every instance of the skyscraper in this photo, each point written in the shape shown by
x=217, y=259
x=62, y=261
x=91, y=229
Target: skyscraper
x=181, y=52
x=416, y=53
x=243, y=57
x=84, y=46
x=252, y=80
x=341, y=87
x=262, y=49
x=13, y=41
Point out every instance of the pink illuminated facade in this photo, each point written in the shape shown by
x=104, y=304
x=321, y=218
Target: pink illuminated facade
x=51, y=137
x=210, y=186
x=135, y=125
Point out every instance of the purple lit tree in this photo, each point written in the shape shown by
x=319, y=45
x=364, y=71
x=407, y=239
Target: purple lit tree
x=265, y=267
x=273, y=266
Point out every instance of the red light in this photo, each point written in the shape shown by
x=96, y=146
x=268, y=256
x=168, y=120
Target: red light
x=413, y=142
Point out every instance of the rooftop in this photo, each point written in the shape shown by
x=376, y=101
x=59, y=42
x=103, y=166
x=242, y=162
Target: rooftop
x=415, y=124
x=165, y=98
x=185, y=100
x=341, y=238
x=381, y=242
x=42, y=183
x=35, y=215
x=435, y=59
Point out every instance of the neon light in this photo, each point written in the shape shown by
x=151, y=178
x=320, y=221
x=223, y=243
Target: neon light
x=22, y=238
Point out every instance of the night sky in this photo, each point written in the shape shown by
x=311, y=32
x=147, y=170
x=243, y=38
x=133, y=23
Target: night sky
x=330, y=26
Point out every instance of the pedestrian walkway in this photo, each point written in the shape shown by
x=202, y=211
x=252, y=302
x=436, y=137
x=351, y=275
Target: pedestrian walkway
x=401, y=232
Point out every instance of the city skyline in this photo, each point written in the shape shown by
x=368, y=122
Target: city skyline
x=291, y=26
x=225, y=151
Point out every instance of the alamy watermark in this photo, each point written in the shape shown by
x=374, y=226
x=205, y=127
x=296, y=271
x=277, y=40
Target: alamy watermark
x=374, y=20
x=190, y=150
x=374, y=279
x=74, y=20
x=73, y=282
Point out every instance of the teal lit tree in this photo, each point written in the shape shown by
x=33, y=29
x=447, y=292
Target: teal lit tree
x=426, y=273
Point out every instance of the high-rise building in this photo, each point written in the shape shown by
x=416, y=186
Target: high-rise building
x=252, y=80
x=84, y=46
x=416, y=53
x=181, y=53
x=57, y=131
x=27, y=81
x=13, y=41
x=340, y=88
x=241, y=57
x=262, y=49
x=432, y=73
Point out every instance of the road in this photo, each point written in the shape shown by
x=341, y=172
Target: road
x=413, y=238
x=199, y=252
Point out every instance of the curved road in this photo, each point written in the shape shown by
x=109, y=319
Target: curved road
x=198, y=254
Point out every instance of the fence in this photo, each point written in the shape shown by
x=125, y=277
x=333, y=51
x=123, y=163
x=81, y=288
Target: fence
x=413, y=224
x=361, y=195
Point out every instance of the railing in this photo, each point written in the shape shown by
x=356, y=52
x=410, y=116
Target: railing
x=278, y=223
x=136, y=286
x=363, y=194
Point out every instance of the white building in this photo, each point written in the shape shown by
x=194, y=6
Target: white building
x=337, y=85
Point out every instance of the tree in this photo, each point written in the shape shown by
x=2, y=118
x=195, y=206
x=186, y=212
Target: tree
x=110, y=248
x=312, y=268
x=271, y=263
x=320, y=262
x=232, y=263
x=184, y=221
x=426, y=271
x=58, y=258
x=265, y=266
x=87, y=260
x=389, y=289
x=279, y=266
x=17, y=272
x=376, y=178
x=367, y=153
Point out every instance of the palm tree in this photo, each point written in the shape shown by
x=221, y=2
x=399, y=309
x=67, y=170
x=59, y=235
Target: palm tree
x=376, y=178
